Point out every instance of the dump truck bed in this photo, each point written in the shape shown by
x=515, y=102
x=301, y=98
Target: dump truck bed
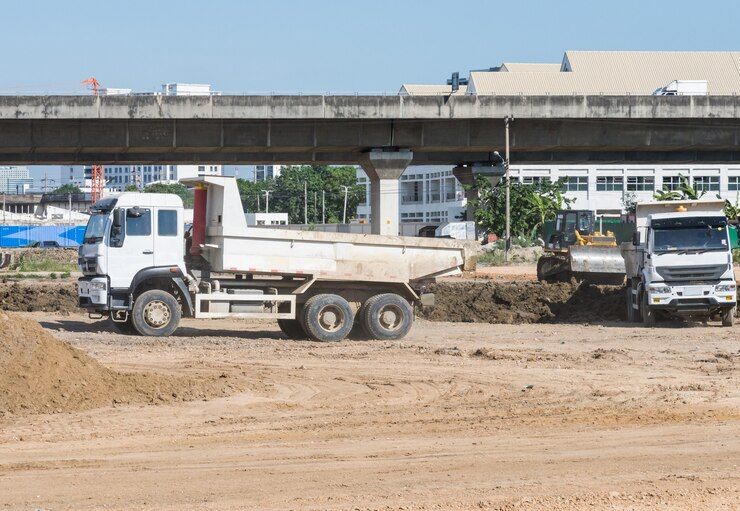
x=231, y=246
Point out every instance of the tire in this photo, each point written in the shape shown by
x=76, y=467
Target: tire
x=292, y=328
x=156, y=313
x=125, y=328
x=628, y=302
x=728, y=316
x=648, y=315
x=387, y=316
x=327, y=317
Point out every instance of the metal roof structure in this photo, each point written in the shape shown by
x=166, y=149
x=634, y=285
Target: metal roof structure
x=412, y=89
x=610, y=73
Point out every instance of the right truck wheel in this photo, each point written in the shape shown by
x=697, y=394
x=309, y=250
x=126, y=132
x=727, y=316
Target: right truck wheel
x=728, y=316
x=628, y=303
x=292, y=328
x=387, y=316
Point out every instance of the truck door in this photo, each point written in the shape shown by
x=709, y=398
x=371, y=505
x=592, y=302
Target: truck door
x=137, y=250
x=168, y=240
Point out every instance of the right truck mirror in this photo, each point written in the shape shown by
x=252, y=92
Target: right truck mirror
x=636, y=238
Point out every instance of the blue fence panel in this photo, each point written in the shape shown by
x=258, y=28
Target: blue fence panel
x=16, y=236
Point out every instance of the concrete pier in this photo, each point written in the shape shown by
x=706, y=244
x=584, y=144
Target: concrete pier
x=384, y=169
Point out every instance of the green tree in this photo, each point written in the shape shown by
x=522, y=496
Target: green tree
x=287, y=193
x=531, y=206
x=176, y=188
x=67, y=189
x=131, y=188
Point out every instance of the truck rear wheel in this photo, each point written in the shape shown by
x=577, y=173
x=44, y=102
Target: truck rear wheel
x=327, y=317
x=387, y=316
x=728, y=316
x=648, y=314
x=156, y=313
x=292, y=328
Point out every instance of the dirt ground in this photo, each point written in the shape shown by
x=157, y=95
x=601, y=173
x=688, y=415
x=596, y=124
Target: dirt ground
x=455, y=416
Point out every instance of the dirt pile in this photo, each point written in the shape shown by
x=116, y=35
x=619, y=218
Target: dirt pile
x=45, y=296
x=525, y=302
x=41, y=374
x=41, y=256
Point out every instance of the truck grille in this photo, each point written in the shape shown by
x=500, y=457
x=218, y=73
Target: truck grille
x=691, y=273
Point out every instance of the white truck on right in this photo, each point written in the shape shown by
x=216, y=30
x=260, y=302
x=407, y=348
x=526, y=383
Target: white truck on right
x=679, y=263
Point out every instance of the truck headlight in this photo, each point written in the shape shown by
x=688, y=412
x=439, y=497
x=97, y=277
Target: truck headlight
x=725, y=288
x=660, y=289
x=98, y=286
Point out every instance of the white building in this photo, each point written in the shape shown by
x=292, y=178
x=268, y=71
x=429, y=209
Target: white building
x=118, y=177
x=428, y=193
x=253, y=172
x=187, y=89
x=15, y=180
x=266, y=218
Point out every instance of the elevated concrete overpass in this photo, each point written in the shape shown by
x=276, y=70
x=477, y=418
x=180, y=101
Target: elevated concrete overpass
x=382, y=133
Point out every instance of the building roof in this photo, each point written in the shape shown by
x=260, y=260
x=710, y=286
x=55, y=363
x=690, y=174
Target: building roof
x=413, y=89
x=519, y=67
x=614, y=73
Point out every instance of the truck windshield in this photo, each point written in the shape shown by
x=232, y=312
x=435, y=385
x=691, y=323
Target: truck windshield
x=690, y=239
x=95, y=228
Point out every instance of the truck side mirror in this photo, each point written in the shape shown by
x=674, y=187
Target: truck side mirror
x=116, y=232
x=119, y=217
x=636, y=238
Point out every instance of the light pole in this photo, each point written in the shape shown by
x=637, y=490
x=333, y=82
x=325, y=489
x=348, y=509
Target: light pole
x=267, y=200
x=344, y=214
x=507, y=120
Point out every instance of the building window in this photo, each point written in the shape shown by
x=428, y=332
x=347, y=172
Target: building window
x=706, y=183
x=531, y=180
x=574, y=183
x=201, y=168
x=609, y=183
x=733, y=183
x=640, y=183
x=671, y=183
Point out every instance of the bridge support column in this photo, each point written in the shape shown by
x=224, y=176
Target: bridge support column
x=384, y=169
x=467, y=179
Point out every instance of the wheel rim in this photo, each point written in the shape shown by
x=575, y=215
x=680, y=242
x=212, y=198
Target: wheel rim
x=390, y=317
x=331, y=318
x=157, y=314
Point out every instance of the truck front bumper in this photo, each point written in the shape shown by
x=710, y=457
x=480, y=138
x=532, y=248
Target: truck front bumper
x=92, y=293
x=693, y=299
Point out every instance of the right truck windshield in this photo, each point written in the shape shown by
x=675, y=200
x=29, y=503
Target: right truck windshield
x=697, y=234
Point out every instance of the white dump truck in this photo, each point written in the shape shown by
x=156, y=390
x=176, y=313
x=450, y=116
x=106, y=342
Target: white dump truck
x=680, y=262
x=143, y=271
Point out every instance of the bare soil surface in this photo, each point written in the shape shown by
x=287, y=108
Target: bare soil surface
x=455, y=416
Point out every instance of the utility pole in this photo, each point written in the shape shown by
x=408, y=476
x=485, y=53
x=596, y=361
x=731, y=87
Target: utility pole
x=507, y=121
x=3, y=208
x=315, y=206
x=305, y=202
x=323, y=206
x=344, y=214
x=267, y=200
x=69, y=198
x=258, y=203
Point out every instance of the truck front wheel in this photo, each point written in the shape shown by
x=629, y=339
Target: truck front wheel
x=156, y=313
x=387, y=316
x=327, y=317
x=292, y=328
x=728, y=316
x=648, y=314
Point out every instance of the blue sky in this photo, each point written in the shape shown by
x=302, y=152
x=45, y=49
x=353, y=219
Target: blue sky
x=328, y=45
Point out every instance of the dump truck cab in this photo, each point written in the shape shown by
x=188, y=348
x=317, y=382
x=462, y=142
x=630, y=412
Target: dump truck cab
x=680, y=263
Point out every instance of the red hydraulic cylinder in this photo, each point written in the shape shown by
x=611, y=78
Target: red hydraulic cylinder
x=199, y=219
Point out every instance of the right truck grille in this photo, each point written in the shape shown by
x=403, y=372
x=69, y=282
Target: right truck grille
x=691, y=273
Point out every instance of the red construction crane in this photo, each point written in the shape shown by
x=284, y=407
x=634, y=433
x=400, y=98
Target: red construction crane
x=97, y=181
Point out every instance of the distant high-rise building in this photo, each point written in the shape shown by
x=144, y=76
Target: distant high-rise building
x=14, y=180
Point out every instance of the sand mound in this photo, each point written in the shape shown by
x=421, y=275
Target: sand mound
x=525, y=302
x=41, y=374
